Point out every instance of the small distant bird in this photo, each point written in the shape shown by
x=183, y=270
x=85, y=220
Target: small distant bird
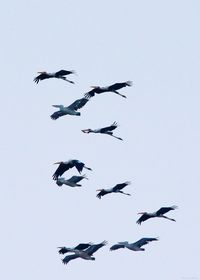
x=59, y=75
x=113, y=88
x=70, y=110
x=116, y=189
x=72, y=182
x=84, y=254
x=81, y=246
x=136, y=246
x=105, y=130
x=159, y=214
x=64, y=166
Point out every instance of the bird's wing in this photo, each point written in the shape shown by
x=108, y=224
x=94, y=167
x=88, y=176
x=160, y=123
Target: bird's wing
x=69, y=258
x=116, y=247
x=109, y=128
x=93, y=248
x=63, y=250
x=120, y=186
x=164, y=210
x=78, y=104
x=75, y=179
x=79, y=165
x=61, y=169
x=57, y=115
x=101, y=193
x=63, y=73
x=143, y=218
x=83, y=246
x=40, y=77
x=144, y=241
x=90, y=93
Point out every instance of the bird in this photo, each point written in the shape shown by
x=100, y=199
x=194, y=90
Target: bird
x=66, y=165
x=136, y=246
x=160, y=214
x=104, y=130
x=70, y=110
x=84, y=254
x=72, y=182
x=112, y=88
x=116, y=189
x=59, y=75
x=81, y=246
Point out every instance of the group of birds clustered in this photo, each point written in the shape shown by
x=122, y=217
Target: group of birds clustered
x=86, y=250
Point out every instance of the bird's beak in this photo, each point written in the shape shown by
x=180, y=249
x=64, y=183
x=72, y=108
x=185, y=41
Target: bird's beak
x=140, y=213
x=85, y=130
x=40, y=72
x=93, y=86
x=98, y=190
x=59, y=162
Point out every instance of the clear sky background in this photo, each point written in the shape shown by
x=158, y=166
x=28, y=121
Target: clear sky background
x=156, y=45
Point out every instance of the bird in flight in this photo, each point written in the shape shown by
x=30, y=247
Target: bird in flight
x=136, y=246
x=112, y=88
x=70, y=110
x=59, y=75
x=104, y=130
x=72, y=182
x=116, y=189
x=159, y=214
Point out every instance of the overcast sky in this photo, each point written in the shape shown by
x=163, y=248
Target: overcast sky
x=156, y=45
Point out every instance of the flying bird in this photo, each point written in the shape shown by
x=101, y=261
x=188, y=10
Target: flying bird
x=116, y=189
x=70, y=110
x=81, y=246
x=84, y=254
x=59, y=75
x=72, y=182
x=112, y=88
x=64, y=166
x=159, y=214
x=105, y=130
x=136, y=246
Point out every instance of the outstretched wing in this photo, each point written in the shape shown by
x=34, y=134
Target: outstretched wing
x=61, y=169
x=83, y=246
x=121, y=186
x=143, y=218
x=63, y=250
x=40, y=77
x=144, y=241
x=117, y=86
x=57, y=115
x=108, y=128
x=164, y=210
x=69, y=258
x=92, y=249
x=116, y=247
x=101, y=193
x=63, y=73
x=78, y=104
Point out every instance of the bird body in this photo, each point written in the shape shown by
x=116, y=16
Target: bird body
x=136, y=246
x=70, y=110
x=59, y=75
x=71, y=182
x=112, y=88
x=104, y=130
x=159, y=214
x=64, y=166
x=116, y=189
x=86, y=254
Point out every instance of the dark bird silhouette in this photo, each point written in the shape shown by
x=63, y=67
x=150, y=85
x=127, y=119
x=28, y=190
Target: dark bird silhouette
x=159, y=214
x=70, y=110
x=112, y=88
x=84, y=254
x=116, y=189
x=136, y=246
x=59, y=75
x=64, y=166
x=104, y=130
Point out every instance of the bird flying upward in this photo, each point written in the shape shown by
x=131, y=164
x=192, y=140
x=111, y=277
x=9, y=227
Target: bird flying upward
x=104, y=130
x=159, y=214
x=59, y=75
x=112, y=88
x=116, y=189
x=64, y=166
x=84, y=254
x=72, y=182
x=136, y=246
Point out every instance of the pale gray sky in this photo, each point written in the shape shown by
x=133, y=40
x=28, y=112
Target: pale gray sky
x=156, y=45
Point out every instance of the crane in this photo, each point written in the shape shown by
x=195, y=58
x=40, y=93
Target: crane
x=59, y=75
x=116, y=189
x=136, y=246
x=72, y=182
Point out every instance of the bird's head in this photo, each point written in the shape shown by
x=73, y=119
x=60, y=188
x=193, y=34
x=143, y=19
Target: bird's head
x=86, y=130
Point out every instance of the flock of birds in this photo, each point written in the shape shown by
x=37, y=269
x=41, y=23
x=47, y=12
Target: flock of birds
x=86, y=250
